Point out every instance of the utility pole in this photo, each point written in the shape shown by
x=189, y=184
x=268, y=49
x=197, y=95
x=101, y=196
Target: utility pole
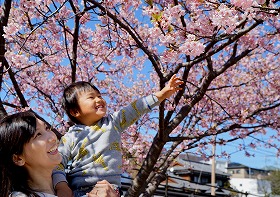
x=213, y=172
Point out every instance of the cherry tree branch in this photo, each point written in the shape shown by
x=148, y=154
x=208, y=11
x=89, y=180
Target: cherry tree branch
x=152, y=57
x=3, y=22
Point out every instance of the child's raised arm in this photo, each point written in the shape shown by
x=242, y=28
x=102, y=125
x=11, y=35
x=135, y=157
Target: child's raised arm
x=171, y=87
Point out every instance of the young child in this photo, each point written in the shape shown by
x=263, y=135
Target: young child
x=93, y=144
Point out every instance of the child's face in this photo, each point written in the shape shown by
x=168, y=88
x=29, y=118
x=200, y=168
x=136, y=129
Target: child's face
x=92, y=107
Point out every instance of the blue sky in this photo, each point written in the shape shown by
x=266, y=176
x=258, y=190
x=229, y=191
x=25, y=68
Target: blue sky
x=263, y=157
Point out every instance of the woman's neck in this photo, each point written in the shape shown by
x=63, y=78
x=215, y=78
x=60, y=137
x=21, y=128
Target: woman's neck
x=41, y=182
x=42, y=187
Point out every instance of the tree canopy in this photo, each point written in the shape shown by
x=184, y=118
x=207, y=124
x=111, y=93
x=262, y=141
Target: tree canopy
x=227, y=53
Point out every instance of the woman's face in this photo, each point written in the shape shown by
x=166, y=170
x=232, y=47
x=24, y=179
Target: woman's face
x=41, y=151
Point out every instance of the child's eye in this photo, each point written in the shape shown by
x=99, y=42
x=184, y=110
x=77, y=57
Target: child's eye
x=49, y=128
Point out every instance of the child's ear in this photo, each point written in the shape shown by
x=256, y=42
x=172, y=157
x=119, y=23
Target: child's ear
x=75, y=113
x=18, y=160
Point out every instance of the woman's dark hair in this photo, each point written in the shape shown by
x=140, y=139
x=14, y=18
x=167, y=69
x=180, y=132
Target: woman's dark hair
x=15, y=131
x=70, y=97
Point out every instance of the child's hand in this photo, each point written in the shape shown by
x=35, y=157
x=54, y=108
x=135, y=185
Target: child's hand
x=171, y=87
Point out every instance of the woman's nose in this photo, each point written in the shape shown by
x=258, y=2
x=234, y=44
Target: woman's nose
x=52, y=137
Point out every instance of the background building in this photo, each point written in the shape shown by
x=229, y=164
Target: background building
x=190, y=176
x=249, y=180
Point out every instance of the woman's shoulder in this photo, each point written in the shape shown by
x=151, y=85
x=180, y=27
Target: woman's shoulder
x=17, y=194
x=20, y=194
x=46, y=195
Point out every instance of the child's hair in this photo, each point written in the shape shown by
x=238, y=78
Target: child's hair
x=70, y=97
x=15, y=131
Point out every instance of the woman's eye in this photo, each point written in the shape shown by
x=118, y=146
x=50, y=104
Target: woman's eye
x=38, y=134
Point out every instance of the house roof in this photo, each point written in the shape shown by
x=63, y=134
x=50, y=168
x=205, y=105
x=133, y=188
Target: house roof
x=235, y=165
x=186, y=167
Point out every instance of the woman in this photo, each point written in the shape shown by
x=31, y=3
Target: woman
x=28, y=152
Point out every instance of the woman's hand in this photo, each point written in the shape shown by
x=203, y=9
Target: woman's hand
x=103, y=189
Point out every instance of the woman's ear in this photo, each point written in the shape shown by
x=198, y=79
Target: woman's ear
x=18, y=160
x=75, y=113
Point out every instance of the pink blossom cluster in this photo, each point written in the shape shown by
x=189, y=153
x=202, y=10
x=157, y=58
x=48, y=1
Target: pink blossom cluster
x=227, y=54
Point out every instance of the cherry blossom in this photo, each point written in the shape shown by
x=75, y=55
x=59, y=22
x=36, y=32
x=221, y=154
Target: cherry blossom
x=226, y=52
